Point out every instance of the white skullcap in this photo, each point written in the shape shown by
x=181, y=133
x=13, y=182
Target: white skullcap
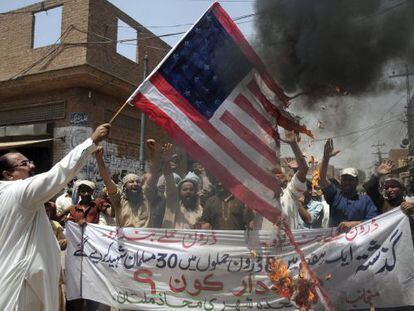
x=85, y=182
x=130, y=177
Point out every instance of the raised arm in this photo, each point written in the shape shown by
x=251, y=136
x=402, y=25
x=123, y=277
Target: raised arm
x=291, y=138
x=42, y=187
x=109, y=183
x=328, y=153
x=170, y=187
x=372, y=185
x=155, y=165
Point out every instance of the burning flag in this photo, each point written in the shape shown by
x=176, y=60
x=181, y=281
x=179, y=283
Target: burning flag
x=213, y=96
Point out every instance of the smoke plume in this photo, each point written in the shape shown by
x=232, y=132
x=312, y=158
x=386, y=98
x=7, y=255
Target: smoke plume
x=323, y=47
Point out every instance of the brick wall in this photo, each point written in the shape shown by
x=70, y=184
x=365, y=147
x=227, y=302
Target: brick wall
x=82, y=21
x=16, y=36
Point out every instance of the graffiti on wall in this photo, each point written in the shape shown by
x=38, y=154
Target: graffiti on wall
x=117, y=165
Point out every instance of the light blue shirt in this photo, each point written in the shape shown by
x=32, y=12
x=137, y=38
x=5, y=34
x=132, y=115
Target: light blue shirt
x=315, y=209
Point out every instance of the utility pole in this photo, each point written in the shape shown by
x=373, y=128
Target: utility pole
x=379, y=153
x=142, y=132
x=409, y=107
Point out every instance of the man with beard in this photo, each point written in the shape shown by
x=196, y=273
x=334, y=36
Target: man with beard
x=134, y=203
x=29, y=252
x=347, y=207
x=183, y=209
x=393, y=193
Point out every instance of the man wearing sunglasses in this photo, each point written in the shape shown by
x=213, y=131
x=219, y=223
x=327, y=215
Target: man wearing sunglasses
x=29, y=253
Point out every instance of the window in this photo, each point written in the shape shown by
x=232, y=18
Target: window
x=31, y=114
x=127, y=41
x=47, y=27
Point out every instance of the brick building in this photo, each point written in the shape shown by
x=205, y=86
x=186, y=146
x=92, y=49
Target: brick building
x=63, y=90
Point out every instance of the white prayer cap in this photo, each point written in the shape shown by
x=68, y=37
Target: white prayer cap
x=130, y=177
x=85, y=182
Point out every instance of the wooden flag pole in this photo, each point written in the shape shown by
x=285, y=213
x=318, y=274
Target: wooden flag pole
x=118, y=112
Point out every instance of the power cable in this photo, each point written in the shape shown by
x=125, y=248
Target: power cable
x=47, y=55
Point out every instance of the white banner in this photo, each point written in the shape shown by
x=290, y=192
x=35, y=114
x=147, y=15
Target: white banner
x=159, y=269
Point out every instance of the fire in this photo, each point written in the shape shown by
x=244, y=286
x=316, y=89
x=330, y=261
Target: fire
x=315, y=178
x=300, y=290
x=282, y=281
x=341, y=91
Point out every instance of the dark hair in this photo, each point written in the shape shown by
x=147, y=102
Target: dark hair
x=5, y=164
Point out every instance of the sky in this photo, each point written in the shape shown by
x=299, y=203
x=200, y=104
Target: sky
x=379, y=119
x=168, y=13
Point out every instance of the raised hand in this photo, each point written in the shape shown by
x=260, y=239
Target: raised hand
x=151, y=145
x=99, y=153
x=329, y=151
x=290, y=137
x=167, y=152
x=385, y=168
x=292, y=163
x=101, y=132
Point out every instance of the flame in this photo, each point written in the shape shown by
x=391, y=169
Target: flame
x=315, y=178
x=341, y=91
x=300, y=290
x=282, y=281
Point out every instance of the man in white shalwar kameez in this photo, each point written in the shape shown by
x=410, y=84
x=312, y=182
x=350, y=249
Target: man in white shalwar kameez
x=29, y=252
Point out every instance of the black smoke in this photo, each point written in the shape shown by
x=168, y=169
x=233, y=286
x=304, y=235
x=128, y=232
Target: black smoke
x=323, y=47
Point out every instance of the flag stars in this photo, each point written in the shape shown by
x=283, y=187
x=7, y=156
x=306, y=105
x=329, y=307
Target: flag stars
x=196, y=79
x=198, y=104
x=187, y=93
x=176, y=56
x=206, y=67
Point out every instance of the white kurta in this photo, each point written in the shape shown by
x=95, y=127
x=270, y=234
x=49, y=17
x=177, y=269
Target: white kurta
x=290, y=204
x=29, y=252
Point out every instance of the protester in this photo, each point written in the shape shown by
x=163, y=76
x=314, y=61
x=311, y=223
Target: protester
x=393, y=189
x=183, y=209
x=29, y=252
x=159, y=212
x=107, y=214
x=87, y=210
x=65, y=200
x=347, y=207
x=134, y=203
x=224, y=212
x=292, y=190
x=205, y=187
x=312, y=212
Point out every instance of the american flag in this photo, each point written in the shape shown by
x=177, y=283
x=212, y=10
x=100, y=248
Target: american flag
x=212, y=95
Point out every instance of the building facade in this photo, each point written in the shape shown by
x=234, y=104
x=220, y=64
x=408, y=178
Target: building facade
x=62, y=91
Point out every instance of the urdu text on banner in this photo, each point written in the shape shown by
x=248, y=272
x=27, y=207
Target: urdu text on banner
x=166, y=269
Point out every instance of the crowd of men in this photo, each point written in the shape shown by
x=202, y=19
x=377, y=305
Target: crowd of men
x=31, y=225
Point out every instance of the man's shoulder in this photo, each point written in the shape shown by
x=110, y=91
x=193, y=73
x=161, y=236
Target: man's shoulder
x=365, y=200
x=213, y=201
